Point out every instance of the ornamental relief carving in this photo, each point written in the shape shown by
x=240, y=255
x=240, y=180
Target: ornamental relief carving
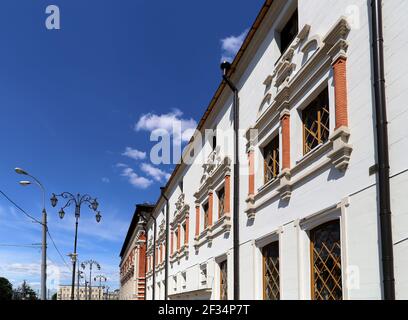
x=213, y=161
x=307, y=58
x=182, y=211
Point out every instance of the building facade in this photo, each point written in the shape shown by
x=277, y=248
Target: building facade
x=308, y=193
x=64, y=293
x=133, y=256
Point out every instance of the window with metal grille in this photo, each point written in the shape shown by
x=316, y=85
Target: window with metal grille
x=326, y=262
x=316, y=121
x=221, y=202
x=206, y=215
x=271, y=287
x=271, y=160
x=289, y=32
x=223, y=280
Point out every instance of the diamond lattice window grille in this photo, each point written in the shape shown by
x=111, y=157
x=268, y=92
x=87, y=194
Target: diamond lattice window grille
x=326, y=262
x=271, y=160
x=224, y=280
x=316, y=122
x=271, y=272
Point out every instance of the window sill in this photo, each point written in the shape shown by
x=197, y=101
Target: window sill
x=221, y=226
x=335, y=152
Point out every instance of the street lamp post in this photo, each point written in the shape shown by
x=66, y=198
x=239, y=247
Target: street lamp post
x=101, y=278
x=44, y=231
x=81, y=275
x=90, y=263
x=78, y=200
x=107, y=293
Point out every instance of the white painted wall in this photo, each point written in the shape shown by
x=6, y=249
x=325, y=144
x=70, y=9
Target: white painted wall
x=354, y=193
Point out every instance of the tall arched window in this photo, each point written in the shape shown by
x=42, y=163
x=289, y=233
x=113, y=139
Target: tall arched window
x=326, y=262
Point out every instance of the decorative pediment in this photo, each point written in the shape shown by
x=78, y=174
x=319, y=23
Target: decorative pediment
x=211, y=164
x=219, y=169
x=182, y=210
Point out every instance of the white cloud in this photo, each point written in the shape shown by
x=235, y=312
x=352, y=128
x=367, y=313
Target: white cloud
x=105, y=180
x=134, y=154
x=134, y=179
x=172, y=123
x=231, y=45
x=154, y=172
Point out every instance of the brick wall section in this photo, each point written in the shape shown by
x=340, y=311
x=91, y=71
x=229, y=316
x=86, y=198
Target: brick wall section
x=197, y=230
x=285, y=123
x=187, y=230
x=227, y=203
x=179, y=237
x=142, y=272
x=251, y=181
x=210, y=208
x=171, y=242
x=340, y=91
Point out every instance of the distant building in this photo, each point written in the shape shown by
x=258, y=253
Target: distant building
x=114, y=295
x=133, y=257
x=64, y=293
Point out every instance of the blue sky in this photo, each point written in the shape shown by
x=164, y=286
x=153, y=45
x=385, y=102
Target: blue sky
x=79, y=104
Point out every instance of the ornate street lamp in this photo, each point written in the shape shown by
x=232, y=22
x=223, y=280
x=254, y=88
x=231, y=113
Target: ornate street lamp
x=78, y=201
x=90, y=263
x=101, y=278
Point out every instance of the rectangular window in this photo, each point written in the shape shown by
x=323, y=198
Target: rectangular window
x=203, y=274
x=289, y=32
x=184, y=227
x=326, y=268
x=206, y=215
x=223, y=280
x=316, y=122
x=214, y=142
x=221, y=202
x=271, y=160
x=271, y=286
x=183, y=280
x=175, y=283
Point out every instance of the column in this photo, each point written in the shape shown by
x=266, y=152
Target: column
x=178, y=237
x=210, y=208
x=171, y=242
x=187, y=230
x=340, y=91
x=285, y=123
x=197, y=230
x=227, y=204
x=251, y=177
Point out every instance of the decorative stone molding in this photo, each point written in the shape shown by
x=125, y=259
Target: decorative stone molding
x=179, y=254
x=213, y=174
x=285, y=65
x=182, y=211
x=285, y=187
x=213, y=161
x=289, y=79
x=340, y=154
x=335, y=39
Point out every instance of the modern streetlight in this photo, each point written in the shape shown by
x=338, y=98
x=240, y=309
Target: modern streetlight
x=78, y=201
x=90, y=263
x=44, y=231
x=101, y=278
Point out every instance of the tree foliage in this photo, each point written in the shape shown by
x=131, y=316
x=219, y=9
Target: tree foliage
x=6, y=289
x=25, y=292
